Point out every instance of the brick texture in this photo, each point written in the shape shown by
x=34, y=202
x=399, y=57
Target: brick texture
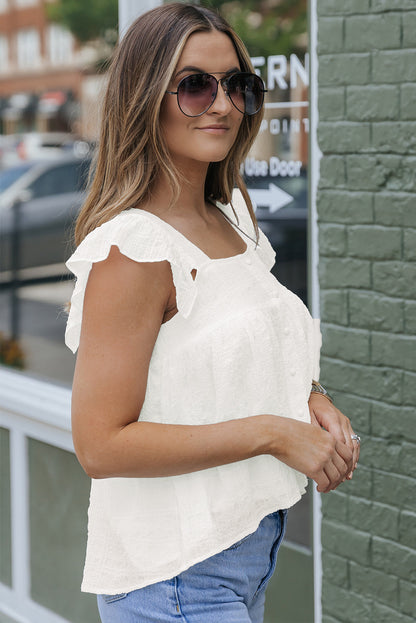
x=366, y=206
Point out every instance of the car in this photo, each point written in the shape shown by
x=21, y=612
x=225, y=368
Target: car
x=16, y=148
x=42, y=198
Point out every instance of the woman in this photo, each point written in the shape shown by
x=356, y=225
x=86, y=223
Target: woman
x=193, y=406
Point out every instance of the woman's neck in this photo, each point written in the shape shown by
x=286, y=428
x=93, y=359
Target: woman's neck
x=191, y=199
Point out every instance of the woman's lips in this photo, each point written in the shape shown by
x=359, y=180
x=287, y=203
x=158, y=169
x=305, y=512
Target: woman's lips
x=215, y=129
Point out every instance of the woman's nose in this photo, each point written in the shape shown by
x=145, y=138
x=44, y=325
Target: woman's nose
x=222, y=103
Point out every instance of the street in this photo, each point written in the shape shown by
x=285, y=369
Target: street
x=42, y=320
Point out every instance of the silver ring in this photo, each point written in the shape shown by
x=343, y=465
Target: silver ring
x=356, y=438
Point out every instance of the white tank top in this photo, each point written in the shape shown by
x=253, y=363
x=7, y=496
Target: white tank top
x=241, y=344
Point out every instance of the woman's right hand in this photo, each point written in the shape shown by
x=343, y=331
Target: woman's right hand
x=312, y=451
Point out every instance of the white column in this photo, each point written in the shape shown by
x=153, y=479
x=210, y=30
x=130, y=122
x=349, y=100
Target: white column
x=129, y=10
x=315, y=156
x=19, y=490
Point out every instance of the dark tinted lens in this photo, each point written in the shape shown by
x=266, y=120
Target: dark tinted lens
x=246, y=92
x=196, y=94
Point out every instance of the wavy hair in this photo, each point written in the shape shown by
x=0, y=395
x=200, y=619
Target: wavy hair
x=131, y=152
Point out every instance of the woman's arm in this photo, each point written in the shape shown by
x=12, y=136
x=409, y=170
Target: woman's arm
x=124, y=306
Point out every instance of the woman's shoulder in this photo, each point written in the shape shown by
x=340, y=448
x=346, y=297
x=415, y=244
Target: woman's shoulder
x=139, y=238
x=131, y=223
x=138, y=234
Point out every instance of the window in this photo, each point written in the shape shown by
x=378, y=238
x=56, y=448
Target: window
x=276, y=174
x=4, y=53
x=24, y=3
x=28, y=48
x=59, y=180
x=33, y=312
x=59, y=44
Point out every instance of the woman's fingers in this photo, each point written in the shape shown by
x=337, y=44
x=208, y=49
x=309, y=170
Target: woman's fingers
x=352, y=443
x=314, y=452
x=345, y=453
x=356, y=455
x=336, y=470
x=323, y=483
x=333, y=473
x=334, y=465
x=335, y=422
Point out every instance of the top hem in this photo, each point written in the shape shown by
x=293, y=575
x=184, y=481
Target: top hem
x=88, y=587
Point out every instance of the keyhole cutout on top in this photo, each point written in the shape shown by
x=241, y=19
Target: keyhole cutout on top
x=172, y=308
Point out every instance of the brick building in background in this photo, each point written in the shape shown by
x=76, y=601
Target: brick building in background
x=48, y=81
x=366, y=207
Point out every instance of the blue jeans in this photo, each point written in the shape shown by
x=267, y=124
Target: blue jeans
x=226, y=588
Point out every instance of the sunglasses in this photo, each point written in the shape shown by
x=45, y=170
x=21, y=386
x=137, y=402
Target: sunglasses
x=196, y=93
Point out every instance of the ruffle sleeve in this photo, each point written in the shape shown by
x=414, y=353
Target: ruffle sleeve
x=140, y=239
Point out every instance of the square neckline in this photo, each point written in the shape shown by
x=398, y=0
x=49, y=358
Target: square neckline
x=195, y=246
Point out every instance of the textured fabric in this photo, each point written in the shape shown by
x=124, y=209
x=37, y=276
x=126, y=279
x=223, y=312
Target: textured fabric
x=227, y=587
x=241, y=344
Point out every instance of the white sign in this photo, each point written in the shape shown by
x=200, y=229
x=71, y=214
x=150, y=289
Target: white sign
x=273, y=167
x=277, y=67
x=272, y=198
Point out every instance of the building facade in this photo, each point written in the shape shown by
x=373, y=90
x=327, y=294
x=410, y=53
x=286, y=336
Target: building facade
x=45, y=74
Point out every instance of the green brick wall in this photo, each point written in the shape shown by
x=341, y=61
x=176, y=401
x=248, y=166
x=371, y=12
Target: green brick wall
x=367, y=271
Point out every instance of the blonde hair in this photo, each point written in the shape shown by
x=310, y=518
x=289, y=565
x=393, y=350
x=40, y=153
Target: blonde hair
x=132, y=153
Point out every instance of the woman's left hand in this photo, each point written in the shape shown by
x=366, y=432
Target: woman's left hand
x=325, y=414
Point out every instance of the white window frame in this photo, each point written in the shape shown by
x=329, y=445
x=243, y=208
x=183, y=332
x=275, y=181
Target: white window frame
x=315, y=156
x=28, y=48
x=129, y=10
x=29, y=409
x=4, y=53
x=60, y=44
x=21, y=4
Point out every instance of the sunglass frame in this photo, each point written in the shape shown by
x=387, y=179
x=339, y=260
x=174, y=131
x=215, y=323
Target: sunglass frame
x=224, y=84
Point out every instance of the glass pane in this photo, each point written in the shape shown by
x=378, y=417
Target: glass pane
x=58, y=500
x=5, y=516
x=289, y=596
x=276, y=174
x=38, y=210
x=276, y=168
x=62, y=179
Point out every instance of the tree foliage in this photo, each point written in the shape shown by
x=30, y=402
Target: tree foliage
x=267, y=26
x=86, y=19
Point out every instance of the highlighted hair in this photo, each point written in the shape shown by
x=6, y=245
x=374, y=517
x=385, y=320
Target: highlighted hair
x=131, y=152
